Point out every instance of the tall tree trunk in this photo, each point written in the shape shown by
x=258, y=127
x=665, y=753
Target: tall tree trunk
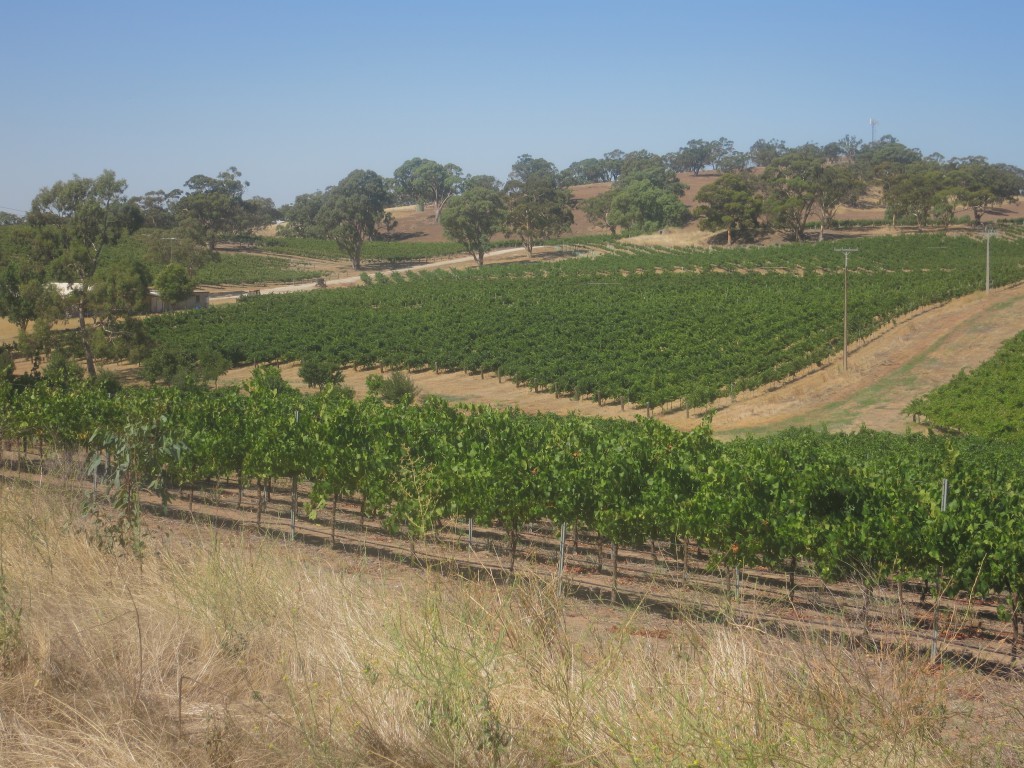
x=90, y=364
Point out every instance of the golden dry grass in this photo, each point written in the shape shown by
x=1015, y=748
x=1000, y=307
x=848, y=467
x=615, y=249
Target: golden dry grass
x=223, y=649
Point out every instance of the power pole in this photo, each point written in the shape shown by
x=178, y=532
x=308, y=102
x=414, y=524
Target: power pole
x=846, y=284
x=989, y=233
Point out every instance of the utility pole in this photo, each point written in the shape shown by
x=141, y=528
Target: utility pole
x=846, y=284
x=989, y=233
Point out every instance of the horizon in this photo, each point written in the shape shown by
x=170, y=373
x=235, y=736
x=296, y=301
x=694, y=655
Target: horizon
x=298, y=98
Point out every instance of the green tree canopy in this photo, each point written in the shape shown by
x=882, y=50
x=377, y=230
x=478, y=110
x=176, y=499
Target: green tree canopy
x=213, y=208
x=699, y=154
x=589, y=171
x=789, y=189
x=764, y=151
x=538, y=207
x=75, y=221
x=157, y=207
x=22, y=277
x=173, y=283
x=731, y=203
x=647, y=166
x=352, y=212
x=317, y=370
x=473, y=217
x=980, y=185
x=640, y=206
x=420, y=180
x=921, y=189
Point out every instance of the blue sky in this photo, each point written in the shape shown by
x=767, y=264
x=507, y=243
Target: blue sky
x=298, y=94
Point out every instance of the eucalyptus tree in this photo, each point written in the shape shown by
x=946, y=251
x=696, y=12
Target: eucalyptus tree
x=473, y=217
x=75, y=221
x=764, y=151
x=538, y=207
x=699, y=154
x=732, y=203
x=213, y=208
x=979, y=185
x=789, y=190
x=351, y=212
x=424, y=180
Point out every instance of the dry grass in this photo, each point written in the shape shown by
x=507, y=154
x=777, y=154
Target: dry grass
x=230, y=650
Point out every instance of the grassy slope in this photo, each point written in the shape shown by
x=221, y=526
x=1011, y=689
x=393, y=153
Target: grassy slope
x=222, y=649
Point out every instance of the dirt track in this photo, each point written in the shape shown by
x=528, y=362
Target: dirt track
x=903, y=361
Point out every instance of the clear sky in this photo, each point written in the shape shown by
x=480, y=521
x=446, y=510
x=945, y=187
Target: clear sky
x=297, y=94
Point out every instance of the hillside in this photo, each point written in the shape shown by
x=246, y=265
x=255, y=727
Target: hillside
x=420, y=225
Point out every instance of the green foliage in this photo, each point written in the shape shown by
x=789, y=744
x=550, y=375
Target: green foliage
x=988, y=402
x=867, y=505
x=162, y=247
x=349, y=213
x=23, y=280
x=418, y=180
x=62, y=367
x=394, y=388
x=318, y=371
x=789, y=190
x=731, y=203
x=639, y=206
x=74, y=222
x=699, y=154
x=920, y=189
x=185, y=368
x=589, y=171
x=6, y=363
x=644, y=197
x=375, y=250
x=764, y=151
x=538, y=208
x=980, y=185
x=646, y=166
x=119, y=289
x=173, y=283
x=473, y=217
x=214, y=209
x=645, y=325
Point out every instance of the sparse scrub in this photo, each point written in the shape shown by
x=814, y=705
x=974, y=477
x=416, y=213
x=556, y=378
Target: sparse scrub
x=224, y=649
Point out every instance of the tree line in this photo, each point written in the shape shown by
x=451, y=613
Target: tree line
x=59, y=267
